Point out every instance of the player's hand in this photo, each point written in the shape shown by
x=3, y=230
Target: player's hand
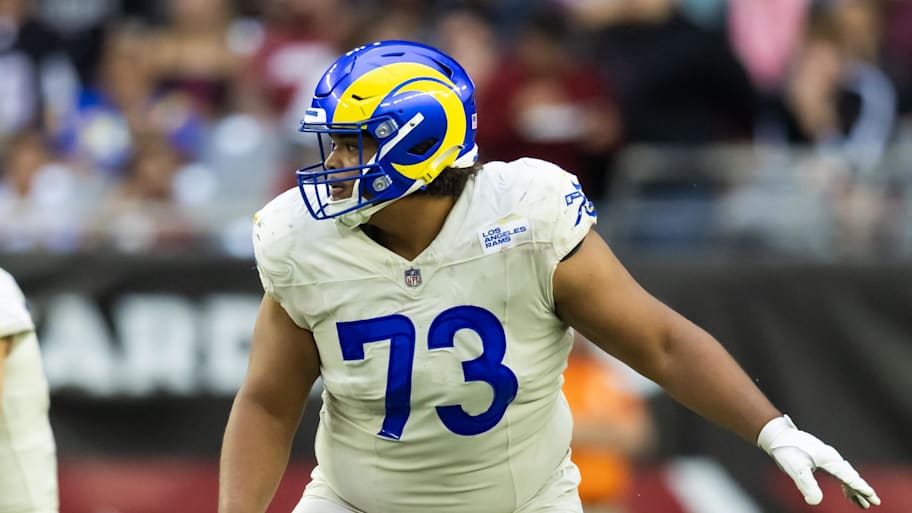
x=799, y=454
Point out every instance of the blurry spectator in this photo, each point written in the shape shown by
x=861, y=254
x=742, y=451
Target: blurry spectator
x=299, y=40
x=543, y=101
x=241, y=159
x=96, y=135
x=142, y=213
x=393, y=19
x=678, y=82
x=860, y=28
x=37, y=81
x=611, y=427
x=471, y=39
x=812, y=91
x=195, y=63
x=837, y=101
x=191, y=56
x=151, y=171
x=38, y=198
x=765, y=36
x=833, y=98
x=81, y=28
x=199, y=104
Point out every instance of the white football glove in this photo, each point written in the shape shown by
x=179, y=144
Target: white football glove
x=799, y=454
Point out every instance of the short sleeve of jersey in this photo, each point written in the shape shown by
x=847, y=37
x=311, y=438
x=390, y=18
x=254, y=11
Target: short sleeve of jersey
x=563, y=208
x=14, y=316
x=273, y=245
x=261, y=253
x=280, y=237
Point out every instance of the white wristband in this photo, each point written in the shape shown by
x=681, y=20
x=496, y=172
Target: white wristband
x=773, y=429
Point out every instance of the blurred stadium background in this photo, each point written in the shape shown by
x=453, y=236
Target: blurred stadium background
x=751, y=161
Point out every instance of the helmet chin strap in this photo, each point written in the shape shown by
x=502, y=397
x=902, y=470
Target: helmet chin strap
x=356, y=218
x=360, y=216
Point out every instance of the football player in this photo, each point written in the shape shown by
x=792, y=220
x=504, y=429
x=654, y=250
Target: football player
x=28, y=463
x=436, y=297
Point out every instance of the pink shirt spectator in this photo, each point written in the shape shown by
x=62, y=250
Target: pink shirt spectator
x=764, y=34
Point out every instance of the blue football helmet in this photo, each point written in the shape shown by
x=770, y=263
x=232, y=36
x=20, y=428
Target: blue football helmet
x=416, y=102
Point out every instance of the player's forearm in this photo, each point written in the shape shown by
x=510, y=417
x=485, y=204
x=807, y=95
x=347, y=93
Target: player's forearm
x=255, y=453
x=698, y=372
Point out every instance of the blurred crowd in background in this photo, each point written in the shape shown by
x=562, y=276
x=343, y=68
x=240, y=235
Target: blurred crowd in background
x=140, y=125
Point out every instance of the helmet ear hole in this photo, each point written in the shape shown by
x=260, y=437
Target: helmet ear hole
x=423, y=147
x=448, y=71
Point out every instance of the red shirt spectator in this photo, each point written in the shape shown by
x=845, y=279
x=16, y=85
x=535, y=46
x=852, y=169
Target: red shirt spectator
x=542, y=102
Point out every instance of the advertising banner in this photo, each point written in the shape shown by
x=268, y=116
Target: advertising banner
x=144, y=355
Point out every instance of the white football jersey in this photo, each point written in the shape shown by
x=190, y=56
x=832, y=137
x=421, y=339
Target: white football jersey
x=442, y=375
x=28, y=464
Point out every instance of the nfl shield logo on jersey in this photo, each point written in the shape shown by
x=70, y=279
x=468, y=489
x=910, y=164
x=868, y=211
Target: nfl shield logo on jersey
x=413, y=277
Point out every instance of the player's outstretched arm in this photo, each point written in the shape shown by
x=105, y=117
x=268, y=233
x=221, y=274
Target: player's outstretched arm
x=598, y=297
x=284, y=364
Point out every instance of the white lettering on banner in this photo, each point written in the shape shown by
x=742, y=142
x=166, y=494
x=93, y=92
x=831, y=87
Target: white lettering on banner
x=76, y=346
x=226, y=339
x=157, y=334
x=165, y=343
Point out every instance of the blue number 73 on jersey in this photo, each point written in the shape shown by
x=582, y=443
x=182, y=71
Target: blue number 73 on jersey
x=400, y=331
